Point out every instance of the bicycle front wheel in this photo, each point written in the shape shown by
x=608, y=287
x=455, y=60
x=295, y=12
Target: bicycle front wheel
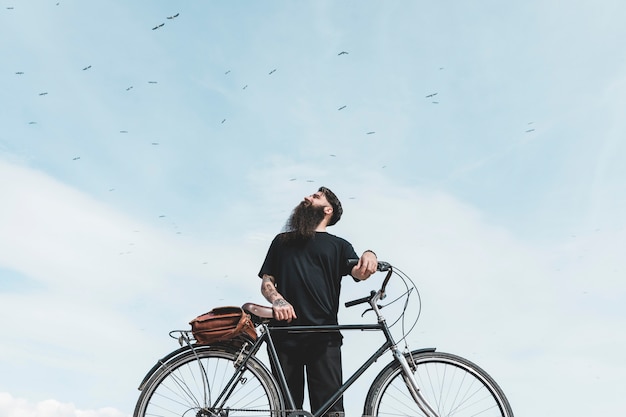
x=453, y=386
x=204, y=382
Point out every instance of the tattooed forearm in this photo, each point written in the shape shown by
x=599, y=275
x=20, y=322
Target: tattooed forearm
x=268, y=289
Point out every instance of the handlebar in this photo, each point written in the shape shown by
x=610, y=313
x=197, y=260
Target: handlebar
x=382, y=266
x=380, y=294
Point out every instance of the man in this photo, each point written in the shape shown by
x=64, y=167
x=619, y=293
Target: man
x=302, y=279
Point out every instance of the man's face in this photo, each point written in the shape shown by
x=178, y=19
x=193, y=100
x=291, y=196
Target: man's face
x=318, y=199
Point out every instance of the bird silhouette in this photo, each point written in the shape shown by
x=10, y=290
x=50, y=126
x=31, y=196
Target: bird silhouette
x=87, y=67
x=43, y=94
x=272, y=71
x=370, y=133
x=431, y=95
x=342, y=53
x=342, y=107
x=173, y=17
x=20, y=73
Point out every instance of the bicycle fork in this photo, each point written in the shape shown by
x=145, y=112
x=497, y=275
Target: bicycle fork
x=411, y=384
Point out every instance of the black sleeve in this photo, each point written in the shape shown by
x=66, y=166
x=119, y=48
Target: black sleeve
x=269, y=265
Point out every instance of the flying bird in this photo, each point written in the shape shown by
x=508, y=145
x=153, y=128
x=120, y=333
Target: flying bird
x=431, y=95
x=530, y=130
x=152, y=82
x=272, y=71
x=158, y=26
x=342, y=53
x=123, y=131
x=173, y=17
x=129, y=88
x=370, y=133
x=342, y=107
x=226, y=73
x=86, y=68
x=245, y=86
x=43, y=94
x=155, y=143
x=223, y=120
x=76, y=158
x=32, y=123
x=20, y=73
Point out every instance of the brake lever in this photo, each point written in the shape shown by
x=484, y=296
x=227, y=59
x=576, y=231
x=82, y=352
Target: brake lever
x=371, y=309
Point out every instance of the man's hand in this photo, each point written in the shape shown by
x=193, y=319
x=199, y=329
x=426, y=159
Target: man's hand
x=283, y=310
x=367, y=265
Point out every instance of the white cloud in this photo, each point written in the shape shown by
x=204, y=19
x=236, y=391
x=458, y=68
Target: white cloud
x=18, y=407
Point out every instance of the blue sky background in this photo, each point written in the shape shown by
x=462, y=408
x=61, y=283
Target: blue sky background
x=144, y=172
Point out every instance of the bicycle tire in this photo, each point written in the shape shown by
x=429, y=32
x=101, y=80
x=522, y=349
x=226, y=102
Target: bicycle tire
x=452, y=385
x=189, y=384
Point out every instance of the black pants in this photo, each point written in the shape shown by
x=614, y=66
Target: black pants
x=321, y=362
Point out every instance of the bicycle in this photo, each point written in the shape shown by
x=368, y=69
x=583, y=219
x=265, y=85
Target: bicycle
x=227, y=379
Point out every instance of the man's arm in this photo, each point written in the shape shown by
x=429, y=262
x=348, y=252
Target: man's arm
x=366, y=266
x=282, y=309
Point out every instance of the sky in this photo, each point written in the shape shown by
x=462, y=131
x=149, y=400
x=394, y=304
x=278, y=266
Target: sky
x=477, y=146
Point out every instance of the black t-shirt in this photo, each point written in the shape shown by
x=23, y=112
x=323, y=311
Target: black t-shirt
x=308, y=274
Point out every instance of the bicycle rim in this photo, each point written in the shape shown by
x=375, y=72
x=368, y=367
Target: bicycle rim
x=453, y=386
x=192, y=384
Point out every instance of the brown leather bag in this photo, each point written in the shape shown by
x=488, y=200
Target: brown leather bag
x=222, y=323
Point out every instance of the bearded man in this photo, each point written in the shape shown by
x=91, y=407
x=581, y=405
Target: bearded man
x=301, y=277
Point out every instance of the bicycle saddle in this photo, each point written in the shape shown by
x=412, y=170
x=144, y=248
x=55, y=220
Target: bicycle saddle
x=260, y=311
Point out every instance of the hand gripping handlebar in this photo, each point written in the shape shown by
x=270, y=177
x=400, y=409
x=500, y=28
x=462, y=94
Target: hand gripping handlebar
x=382, y=266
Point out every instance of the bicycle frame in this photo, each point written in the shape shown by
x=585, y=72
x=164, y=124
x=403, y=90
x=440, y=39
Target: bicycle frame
x=389, y=344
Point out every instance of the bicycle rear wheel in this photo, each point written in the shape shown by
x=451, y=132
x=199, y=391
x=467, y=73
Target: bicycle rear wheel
x=196, y=384
x=453, y=386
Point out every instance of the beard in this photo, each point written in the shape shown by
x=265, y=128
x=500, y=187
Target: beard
x=304, y=220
